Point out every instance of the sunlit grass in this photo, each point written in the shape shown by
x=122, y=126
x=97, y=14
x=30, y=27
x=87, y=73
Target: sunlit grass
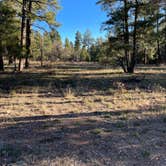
x=85, y=104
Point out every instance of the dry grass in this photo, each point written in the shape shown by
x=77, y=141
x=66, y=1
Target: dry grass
x=83, y=114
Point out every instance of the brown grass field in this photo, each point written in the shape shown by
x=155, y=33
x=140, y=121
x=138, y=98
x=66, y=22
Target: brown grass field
x=83, y=114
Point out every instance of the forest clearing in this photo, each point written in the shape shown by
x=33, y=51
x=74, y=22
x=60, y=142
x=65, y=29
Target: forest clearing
x=83, y=83
x=83, y=114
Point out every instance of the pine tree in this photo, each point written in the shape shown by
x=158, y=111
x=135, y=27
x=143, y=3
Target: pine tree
x=78, y=41
x=84, y=55
x=77, y=45
x=67, y=43
x=131, y=25
x=8, y=28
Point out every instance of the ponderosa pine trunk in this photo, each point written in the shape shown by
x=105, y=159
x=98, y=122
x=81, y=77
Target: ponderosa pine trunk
x=126, y=35
x=41, y=51
x=165, y=36
x=1, y=63
x=20, y=67
x=1, y=58
x=133, y=58
x=158, y=41
x=28, y=34
x=145, y=57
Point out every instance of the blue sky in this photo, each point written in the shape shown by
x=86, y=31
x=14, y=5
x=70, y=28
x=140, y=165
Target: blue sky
x=80, y=15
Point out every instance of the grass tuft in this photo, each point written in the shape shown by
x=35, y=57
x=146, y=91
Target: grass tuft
x=96, y=131
x=145, y=154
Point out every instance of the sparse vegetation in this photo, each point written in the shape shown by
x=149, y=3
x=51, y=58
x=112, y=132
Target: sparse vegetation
x=96, y=131
x=67, y=114
x=145, y=154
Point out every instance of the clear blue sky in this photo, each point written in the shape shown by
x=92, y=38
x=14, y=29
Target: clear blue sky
x=80, y=15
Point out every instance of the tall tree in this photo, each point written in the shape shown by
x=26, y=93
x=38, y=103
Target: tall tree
x=28, y=33
x=78, y=41
x=77, y=45
x=22, y=38
x=33, y=12
x=8, y=27
x=118, y=27
x=67, y=43
x=87, y=40
x=125, y=19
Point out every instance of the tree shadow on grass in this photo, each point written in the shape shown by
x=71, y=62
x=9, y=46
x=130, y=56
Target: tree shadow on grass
x=151, y=67
x=98, y=137
x=73, y=66
x=44, y=82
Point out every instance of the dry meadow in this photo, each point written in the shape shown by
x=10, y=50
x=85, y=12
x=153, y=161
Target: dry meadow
x=71, y=114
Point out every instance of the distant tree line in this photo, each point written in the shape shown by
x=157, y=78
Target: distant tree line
x=50, y=47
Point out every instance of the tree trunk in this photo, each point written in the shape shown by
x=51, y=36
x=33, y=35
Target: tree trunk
x=28, y=35
x=158, y=43
x=1, y=58
x=1, y=62
x=41, y=58
x=145, y=57
x=20, y=67
x=10, y=60
x=164, y=46
x=15, y=64
x=133, y=56
x=122, y=65
x=41, y=51
x=126, y=32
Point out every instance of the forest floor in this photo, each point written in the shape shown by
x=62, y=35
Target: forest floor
x=80, y=114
